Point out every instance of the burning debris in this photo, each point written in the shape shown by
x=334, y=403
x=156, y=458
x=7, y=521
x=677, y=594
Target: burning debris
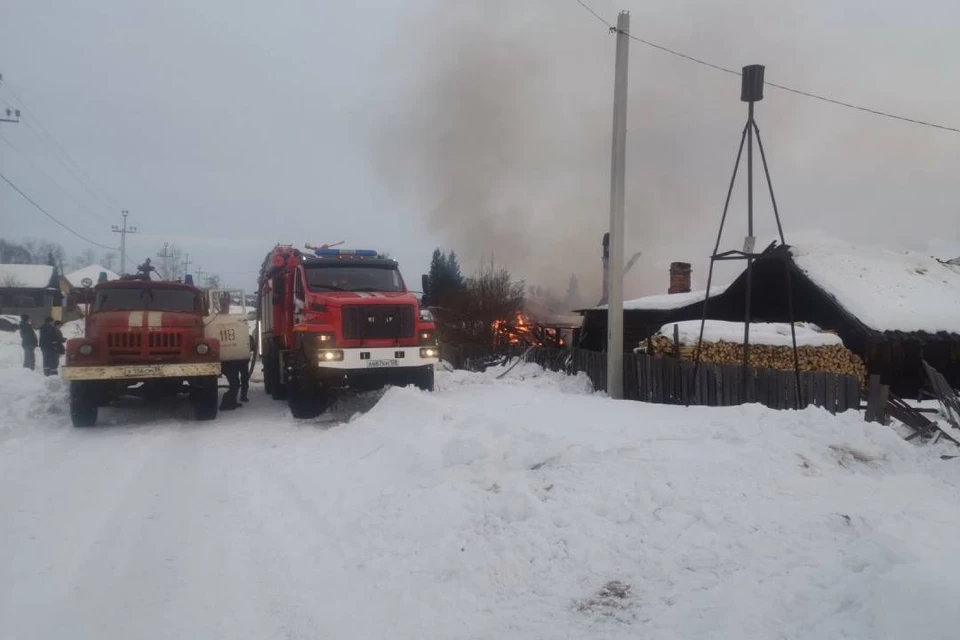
x=523, y=331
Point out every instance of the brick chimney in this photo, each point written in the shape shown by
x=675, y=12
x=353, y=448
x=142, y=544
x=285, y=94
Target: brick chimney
x=679, y=277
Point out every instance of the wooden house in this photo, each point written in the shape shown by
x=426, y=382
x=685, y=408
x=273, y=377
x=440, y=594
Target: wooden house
x=892, y=308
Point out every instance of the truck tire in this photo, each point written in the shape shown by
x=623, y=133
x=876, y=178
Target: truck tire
x=267, y=376
x=205, y=396
x=307, y=400
x=271, y=377
x=423, y=379
x=84, y=403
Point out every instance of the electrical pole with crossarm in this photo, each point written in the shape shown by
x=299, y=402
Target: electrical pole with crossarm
x=123, y=231
x=166, y=255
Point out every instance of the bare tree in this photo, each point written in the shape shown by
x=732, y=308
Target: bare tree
x=174, y=263
x=109, y=260
x=85, y=258
x=14, y=253
x=490, y=296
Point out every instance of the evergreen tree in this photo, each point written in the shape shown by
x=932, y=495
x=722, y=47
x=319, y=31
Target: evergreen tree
x=573, y=293
x=453, y=269
x=55, y=276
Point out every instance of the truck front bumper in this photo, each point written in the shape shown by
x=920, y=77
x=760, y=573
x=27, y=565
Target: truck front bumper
x=381, y=358
x=141, y=371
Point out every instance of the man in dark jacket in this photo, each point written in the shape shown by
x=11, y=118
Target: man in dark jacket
x=28, y=339
x=50, y=347
x=245, y=372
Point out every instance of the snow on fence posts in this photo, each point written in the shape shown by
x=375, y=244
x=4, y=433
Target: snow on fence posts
x=671, y=381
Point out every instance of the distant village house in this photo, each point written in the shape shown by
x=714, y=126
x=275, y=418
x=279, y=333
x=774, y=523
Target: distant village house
x=30, y=289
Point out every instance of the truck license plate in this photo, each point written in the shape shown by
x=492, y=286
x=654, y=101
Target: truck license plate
x=381, y=364
x=142, y=370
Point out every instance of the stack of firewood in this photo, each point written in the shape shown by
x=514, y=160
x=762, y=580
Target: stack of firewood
x=832, y=358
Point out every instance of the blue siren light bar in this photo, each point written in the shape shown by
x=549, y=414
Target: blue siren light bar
x=336, y=253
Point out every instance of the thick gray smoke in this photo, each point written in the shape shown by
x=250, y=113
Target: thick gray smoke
x=500, y=133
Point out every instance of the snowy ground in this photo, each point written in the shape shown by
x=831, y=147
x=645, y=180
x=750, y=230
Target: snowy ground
x=519, y=508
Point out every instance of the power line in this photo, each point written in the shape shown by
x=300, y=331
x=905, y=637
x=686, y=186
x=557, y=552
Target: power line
x=782, y=87
x=58, y=150
x=49, y=215
x=864, y=109
x=595, y=14
x=59, y=186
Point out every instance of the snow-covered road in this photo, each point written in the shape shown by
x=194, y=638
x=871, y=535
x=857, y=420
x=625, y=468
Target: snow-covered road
x=521, y=508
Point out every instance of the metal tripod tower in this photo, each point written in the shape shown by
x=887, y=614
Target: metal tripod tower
x=751, y=92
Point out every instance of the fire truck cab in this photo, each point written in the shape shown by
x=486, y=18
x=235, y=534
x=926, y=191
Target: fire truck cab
x=331, y=319
x=144, y=338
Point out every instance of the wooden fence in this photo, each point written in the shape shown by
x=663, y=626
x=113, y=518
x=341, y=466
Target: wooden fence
x=672, y=381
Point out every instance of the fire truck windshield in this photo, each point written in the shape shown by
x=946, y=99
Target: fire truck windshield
x=353, y=278
x=141, y=299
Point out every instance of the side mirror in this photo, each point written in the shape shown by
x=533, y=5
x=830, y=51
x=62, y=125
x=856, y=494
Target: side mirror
x=427, y=299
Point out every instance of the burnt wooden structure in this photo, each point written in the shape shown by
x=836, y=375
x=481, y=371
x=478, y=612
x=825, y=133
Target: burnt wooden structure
x=897, y=357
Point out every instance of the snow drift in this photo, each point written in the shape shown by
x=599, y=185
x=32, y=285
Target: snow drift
x=526, y=507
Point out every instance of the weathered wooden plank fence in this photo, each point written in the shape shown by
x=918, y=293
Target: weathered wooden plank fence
x=673, y=381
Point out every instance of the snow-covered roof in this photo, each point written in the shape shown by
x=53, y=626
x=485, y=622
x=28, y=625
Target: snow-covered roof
x=886, y=289
x=772, y=334
x=669, y=301
x=25, y=276
x=93, y=272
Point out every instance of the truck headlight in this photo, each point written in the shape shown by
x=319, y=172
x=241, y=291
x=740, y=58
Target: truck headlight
x=426, y=315
x=203, y=349
x=85, y=350
x=429, y=352
x=331, y=355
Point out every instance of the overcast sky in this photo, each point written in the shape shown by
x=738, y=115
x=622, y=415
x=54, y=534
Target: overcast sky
x=484, y=127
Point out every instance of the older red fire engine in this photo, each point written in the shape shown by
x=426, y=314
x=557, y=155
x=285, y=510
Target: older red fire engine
x=146, y=338
x=330, y=319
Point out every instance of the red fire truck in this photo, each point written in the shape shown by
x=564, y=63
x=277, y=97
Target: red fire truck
x=329, y=319
x=145, y=338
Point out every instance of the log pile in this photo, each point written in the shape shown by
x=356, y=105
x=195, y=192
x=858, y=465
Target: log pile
x=831, y=359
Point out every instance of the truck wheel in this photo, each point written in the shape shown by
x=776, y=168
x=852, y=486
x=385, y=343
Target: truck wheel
x=423, y=379
x=267, y=376
x=304, y=401
x=271, y=378
x=84, y=401
x=308, y=400
x=278, y=391
x=205, y=397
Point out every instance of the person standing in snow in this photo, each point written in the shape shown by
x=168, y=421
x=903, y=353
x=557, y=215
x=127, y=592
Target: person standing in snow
x=50, y=347
x=231, y=371
x=61, y=341
x=245, y=372
x=28, y=340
